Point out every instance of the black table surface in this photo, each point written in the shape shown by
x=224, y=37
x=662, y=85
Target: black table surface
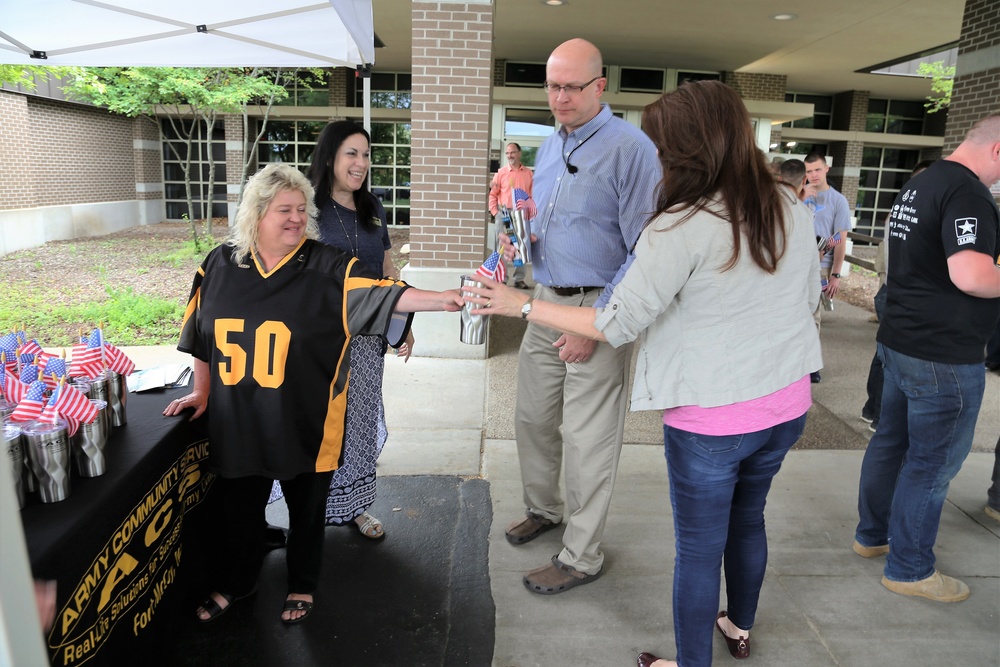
x=52, y=529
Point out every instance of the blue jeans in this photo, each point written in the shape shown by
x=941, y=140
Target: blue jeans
x=718, y=487
x=928, y=418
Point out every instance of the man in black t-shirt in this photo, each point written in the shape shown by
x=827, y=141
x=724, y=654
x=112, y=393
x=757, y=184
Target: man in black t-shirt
x=943, y=302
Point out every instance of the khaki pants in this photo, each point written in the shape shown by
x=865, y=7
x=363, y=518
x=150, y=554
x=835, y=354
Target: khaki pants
x=588, y=401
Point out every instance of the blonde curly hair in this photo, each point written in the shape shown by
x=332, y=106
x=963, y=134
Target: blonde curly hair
x=260, y=189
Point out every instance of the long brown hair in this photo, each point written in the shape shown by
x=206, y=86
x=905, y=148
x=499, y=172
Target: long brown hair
x=706, y=145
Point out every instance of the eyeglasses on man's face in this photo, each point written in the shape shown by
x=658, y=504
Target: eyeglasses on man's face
x=569, y=89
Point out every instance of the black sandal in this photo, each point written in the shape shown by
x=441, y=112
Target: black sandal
x=296, y=605
x=212, y=607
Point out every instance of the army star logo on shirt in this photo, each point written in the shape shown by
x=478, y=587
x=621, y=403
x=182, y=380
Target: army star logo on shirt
x=965, y=230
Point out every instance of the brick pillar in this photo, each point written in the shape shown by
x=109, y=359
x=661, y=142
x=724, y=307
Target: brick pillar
x=341, y=87
x=147, y=148
x=850, y=110
x=753, y=86
x=452, y=69
x=233, y=126
x=977, y=76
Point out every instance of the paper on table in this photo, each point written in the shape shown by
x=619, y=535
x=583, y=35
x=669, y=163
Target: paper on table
x=169, y=375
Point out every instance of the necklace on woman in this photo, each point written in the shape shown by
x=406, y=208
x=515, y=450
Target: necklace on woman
x=356, y=247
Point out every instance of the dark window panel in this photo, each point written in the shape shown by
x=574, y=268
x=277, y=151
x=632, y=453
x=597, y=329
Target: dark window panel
x=641, y=79
x=866, y=198
x=876, y=106
x=382, y=155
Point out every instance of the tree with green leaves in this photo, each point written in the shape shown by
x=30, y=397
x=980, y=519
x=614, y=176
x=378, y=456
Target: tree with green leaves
x=28, y=76
x=942, y=80
x=191, y=100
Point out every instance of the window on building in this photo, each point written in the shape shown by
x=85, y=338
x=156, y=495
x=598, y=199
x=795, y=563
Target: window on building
x=307, y=90
x=688, y=77
x=884, y=172
x=638, y=80
x=895, y=117
x=290, y=142
x=175, y=152
x=524, y=74
x=390, y=170
x=822, y=109
x=389, y=90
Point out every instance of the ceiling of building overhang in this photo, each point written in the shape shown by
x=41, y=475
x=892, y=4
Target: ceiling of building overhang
x=819, y=51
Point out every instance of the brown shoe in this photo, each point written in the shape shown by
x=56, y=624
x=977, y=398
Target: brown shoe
x=557, y=577
x=527, y=528
x=870, y=552
x=739, y=648
x=937, y=587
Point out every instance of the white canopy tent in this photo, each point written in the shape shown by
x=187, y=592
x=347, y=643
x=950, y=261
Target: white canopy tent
x=173, y=33
x=189, y=33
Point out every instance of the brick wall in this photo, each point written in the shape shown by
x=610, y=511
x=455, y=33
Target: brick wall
x=15, y=152
x=751, y=86
x=976, y=92
x=452, y=87
x=233, y=126
x=62, y=153
x=846, y=154
x=148, y=162
x=341, y=85
x=850, y=110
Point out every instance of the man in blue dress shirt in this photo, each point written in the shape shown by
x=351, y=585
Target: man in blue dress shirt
x=594, y=186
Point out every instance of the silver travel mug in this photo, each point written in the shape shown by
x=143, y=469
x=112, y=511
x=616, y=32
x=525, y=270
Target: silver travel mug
x=522, y=230
x=49, y=452
x=13, y=449
x=89, y=442
x=473, y=326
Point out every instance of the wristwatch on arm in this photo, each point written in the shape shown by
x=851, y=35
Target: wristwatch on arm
x=526, y=308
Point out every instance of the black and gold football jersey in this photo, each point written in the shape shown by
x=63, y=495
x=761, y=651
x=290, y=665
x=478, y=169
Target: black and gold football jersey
x=276, y=346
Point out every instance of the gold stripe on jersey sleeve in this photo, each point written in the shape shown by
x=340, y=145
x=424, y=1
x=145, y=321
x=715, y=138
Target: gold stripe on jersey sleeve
x=328, y=457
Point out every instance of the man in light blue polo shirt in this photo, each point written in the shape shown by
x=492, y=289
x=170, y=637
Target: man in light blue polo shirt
x=594, y=186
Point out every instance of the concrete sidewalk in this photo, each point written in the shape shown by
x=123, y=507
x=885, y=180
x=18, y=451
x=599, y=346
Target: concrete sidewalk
x=821, y=605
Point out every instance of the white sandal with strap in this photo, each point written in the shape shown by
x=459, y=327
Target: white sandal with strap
x=371, y=528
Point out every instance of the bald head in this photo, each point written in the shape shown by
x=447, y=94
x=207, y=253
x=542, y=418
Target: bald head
x=985, y=131
x=577, y=64
x=580, y=52
x=980, y=151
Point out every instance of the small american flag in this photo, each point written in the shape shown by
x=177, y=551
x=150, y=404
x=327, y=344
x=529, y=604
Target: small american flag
x=13, y=389
x=29, y=373
x=829, y=243
x=8, y=346
x=493, y=268
x=118, y=361
x=55, y=370
x=31, y=347
x=91, y=364
x=30, y=407
x=530, y=210
x=70, y=404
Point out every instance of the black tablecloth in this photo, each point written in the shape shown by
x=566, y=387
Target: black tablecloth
x=123, y=547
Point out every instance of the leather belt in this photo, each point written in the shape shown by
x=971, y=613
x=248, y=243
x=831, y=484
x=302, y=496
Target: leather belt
x=573, y=291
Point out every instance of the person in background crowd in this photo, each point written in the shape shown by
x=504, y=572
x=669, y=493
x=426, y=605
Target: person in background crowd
x=727, y=251
x=872, y=408
x=267, y=324
x=510, y=176
x=942, y=305
x=793, y=174
x=594, y=184
x=831, y=217
x=353, y=220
